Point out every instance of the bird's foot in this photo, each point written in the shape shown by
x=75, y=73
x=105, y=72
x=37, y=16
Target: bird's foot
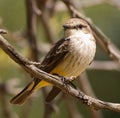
x=66, y=81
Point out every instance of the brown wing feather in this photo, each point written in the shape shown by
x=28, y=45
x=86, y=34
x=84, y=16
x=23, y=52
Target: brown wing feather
x=55, y=55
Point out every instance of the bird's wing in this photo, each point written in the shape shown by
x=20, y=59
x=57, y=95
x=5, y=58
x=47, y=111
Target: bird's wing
x=55, y=55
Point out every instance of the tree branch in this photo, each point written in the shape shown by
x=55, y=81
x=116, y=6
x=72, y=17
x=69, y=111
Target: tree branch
x=31, y=28
x=36, y=72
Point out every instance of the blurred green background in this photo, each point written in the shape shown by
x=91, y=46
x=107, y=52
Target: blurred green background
x=106, y=84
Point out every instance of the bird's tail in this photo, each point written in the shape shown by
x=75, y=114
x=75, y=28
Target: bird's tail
x=21, y=97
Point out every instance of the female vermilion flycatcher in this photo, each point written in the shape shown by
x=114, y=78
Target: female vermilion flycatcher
x=69, y=57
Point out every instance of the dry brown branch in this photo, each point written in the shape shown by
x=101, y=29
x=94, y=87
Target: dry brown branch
x=108, y=47
x=36, y=72
x=31, y=28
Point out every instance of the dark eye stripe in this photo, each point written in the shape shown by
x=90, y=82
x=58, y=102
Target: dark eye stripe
x=74, y=27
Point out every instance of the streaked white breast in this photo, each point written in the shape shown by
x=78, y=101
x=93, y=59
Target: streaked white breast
x=82, y=49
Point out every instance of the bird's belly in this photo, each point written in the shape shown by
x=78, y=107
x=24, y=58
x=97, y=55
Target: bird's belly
x=71, y=66
x=74, y=64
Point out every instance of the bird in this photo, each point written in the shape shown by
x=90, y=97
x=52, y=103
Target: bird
x=68, y=57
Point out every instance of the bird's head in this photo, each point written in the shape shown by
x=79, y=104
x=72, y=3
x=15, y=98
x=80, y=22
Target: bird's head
x=74, y=26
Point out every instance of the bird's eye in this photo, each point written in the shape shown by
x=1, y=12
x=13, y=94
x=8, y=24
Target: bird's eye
x=80, y=26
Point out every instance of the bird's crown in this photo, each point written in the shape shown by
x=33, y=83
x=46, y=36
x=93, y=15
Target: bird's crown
x=75, y=23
